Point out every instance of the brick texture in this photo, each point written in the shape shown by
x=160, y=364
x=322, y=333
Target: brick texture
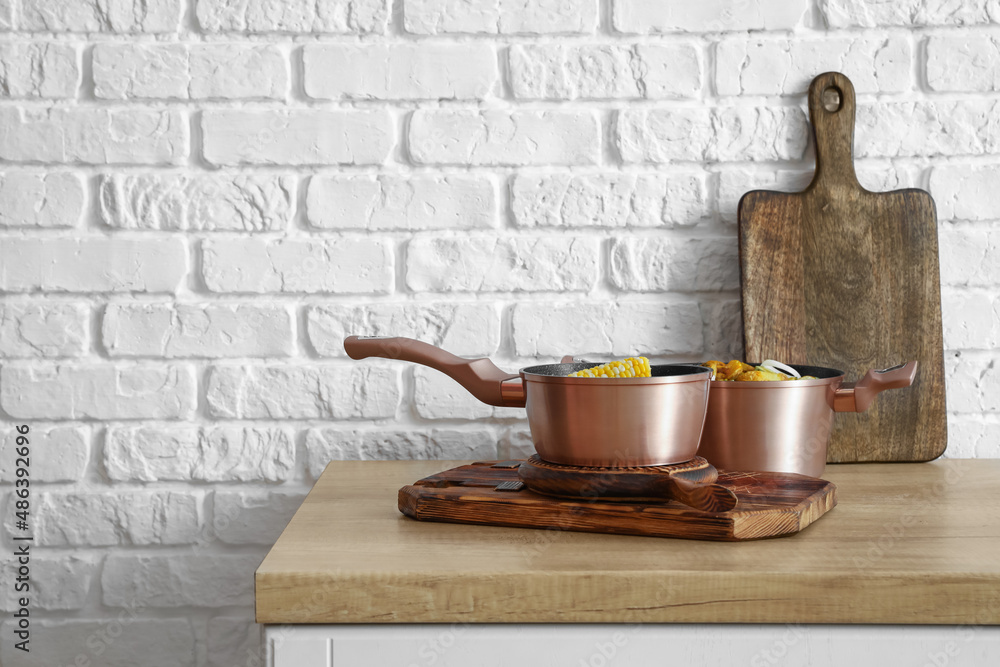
x=43, y=330
x=97, y=391
x=38, y=70
x=461, y=328
x=785, y=66
x=401, y=71
x=342, y=265
x=103, y=519
x=609, y=200
x=626, y=71
x=200, y=199
x=200, y=71
x=296, y=137
x=201, y=202
x=706, y=135
x=153, y=16
x=178, y=580
x=71, y=442
x=619, y=329
x=394, y=202
x=504, y=138
x=161, y=641
x=295, y=16
x=303, y=392
x=491, y=264
x=964, y=192
x=328, y=444
x=93, y=135
x=683, y=265
x=214, y=454
x=665, y=16
x=437, y=17
x=31, y=199
x=871, y=13
x=92, y=264
x=253, y=517
x=189, y=330
x=59, y=582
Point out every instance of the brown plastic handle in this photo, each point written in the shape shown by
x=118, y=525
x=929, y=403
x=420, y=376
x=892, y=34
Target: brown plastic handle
x=857, y=398
x=480, y=376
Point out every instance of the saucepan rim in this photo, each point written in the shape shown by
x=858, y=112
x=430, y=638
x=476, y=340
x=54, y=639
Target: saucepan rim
x=824, y=376
x=662, y=374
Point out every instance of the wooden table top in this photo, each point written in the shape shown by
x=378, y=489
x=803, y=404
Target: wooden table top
x=911, y=543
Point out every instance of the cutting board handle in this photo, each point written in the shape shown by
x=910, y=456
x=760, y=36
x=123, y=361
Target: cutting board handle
x=833, y=130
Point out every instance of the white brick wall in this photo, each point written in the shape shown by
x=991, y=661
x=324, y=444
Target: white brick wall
x=163, y=71
x=199, y=199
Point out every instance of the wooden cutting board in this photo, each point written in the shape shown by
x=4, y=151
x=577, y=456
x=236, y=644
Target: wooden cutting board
x=842, y=277
x=770, y=505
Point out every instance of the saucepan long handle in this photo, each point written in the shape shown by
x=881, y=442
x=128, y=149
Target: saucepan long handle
x=480, y=376
x=861, y=395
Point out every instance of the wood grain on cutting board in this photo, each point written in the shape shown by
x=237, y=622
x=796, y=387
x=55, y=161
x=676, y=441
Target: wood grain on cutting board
x=771, y=504
x=842, y=277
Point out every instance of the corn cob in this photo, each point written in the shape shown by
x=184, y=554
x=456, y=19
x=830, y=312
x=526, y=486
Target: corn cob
x=633, y=367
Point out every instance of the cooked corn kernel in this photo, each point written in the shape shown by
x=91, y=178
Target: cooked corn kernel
x=633, y=367
x=762, y=376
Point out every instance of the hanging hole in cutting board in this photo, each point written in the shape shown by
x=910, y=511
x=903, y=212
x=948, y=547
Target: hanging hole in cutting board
x=832, y=98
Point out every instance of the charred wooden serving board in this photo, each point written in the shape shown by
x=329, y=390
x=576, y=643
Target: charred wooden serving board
x=842, y=277
x=770, y=505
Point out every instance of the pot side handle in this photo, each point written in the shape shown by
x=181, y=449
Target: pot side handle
x=859, y=397
x=480, y=377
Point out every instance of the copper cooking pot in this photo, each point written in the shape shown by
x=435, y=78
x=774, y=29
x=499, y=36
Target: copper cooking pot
x=785, y=426
x=593, y=422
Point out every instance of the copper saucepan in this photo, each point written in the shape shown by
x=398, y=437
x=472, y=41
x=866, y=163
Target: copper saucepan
x=593, y=422
x=785, y=426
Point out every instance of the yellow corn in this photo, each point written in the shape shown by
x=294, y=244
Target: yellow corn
x=633, y=367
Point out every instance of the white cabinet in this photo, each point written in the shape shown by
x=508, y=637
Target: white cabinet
x=641, y=645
